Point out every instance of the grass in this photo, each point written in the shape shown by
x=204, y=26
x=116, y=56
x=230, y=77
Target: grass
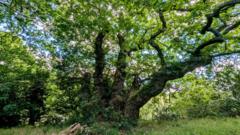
x=205, y=126
x=29, y=130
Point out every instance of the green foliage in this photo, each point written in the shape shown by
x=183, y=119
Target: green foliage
x=228, y=80
x=191, y=97
x=20, y=77
x=167, y=113
x=230, y=107
x=196, y=98
x=51, y=46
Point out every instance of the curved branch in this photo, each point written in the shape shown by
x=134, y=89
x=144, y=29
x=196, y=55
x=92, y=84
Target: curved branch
x=208, y=25
x=227, y=53
x=154, y=36
x=182, y=9
x=231, y=27
x=218, y=36
x=158, y=80
x=216, y=12
x=151, y=41
x=207, y=43
x=215, y=32
x=159, y=51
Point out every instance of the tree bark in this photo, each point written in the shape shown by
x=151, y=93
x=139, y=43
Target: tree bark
x=156, y=85
x=86, y=86
x=117, y=97
x=99, y=66
x=36, y=100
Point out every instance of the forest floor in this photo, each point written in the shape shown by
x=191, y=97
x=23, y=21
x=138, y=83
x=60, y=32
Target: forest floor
x=205, y=126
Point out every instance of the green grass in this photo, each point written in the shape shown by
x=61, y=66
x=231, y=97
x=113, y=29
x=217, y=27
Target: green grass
x=206, y=126
x=28, y=130
x=223, y=126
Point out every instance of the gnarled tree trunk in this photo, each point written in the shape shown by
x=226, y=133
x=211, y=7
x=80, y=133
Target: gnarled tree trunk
x=128, y=101
x=128, y=104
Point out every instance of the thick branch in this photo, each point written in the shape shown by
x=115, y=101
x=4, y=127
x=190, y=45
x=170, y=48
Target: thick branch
x=216, y=12
x=225, y=54
x=117, y=97
x=231, y=27
x=159, y=51
x=218, y=37
x=120, y=72
x=215, y=32
x=154, y=36
x=164, y=24
x=183, y=9
x=159, y=79
x=170, y=72
x=207, y=43
x=99, y=63
x=208, y=24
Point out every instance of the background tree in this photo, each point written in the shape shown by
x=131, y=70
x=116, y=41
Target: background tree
x=20, y=87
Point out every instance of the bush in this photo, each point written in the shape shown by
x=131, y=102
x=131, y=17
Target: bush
x=167, y=113
x=195, y=98
x=230, y=107
x=53, y=118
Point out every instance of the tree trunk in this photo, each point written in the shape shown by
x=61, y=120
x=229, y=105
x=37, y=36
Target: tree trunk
x=36, y=100
x=157, y=83
x=128, y=104
x=131, y=112
x=100, y=63
x=32, y=116
x=117, y=93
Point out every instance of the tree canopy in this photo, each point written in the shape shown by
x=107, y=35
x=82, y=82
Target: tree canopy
x=122, y=53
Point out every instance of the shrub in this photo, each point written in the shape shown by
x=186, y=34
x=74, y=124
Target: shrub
x=230, y=107
x=166, y=113
x=194, y=98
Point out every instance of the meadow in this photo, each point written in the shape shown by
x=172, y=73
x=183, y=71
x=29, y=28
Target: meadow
x=205, y=126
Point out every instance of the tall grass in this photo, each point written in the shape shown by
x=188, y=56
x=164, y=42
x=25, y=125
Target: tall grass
x=29, y=130
x=205, y=126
